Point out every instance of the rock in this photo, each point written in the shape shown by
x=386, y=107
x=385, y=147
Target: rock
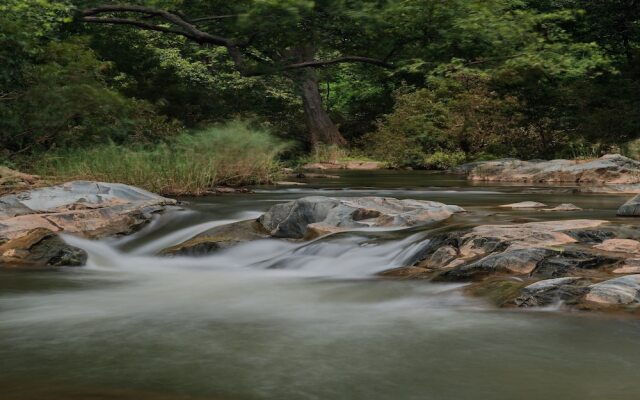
x=623, y=290
x=620, y=246
x=310, y=175
x=14, y=181
x=516, y=261
x=631, y=208
x=39, y=248
x=440, y=258
x=590, y=236
x=88, y=209
x=486, y=239
x=612, y=169
x=310, y=217
x=569, y=262
x=350, y=165
x=568, y=290
x=630, y=266
x=220, y=237
x=288, y=183
x=564, y=207
x=525, y=204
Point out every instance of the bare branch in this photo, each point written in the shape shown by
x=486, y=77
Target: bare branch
x=339, y=60
x=214, y=18
x=187, y=28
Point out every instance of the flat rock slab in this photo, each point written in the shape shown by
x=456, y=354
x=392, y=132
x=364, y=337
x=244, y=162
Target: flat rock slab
x=553, y=291
x=525, y=204
x=83, y=208
x=314, y=216
x=623, y=290
x=564, y=207
x=348, y=165
x=612, y=169
x=628, y=246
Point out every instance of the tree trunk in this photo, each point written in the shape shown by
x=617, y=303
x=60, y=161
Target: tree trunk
x=321, y=128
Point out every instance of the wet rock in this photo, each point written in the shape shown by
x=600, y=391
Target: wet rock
x=631, y=208
x=570, y=262
x=568, y=290
x=617, y=291
x=220, y=237
x=564, y=207
x=440, y=258
x=310, y=217
x=590, y=236
x=88, y=209
x=525, y=204
x=516, y=261
x=485, y=239
x=39, y=248
x=612, y=169
x=620, y=246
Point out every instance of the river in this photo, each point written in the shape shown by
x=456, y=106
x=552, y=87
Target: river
x=279, y=320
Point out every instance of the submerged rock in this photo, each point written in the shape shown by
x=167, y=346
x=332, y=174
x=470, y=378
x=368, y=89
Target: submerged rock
x=612, y=169
x=623, y=290
x=39, y=248
x=631, y=208
x=525, y=204
x=564, y=207
x=310, y=217
x=220, y=237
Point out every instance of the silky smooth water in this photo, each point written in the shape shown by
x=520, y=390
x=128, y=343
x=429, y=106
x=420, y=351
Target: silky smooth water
x=280, y=320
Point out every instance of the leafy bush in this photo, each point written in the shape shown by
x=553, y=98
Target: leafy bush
x=188, y=164
x=444, y=160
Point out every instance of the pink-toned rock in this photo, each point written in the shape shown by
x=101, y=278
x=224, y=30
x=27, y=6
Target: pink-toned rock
x=612, y=169
x=620, y=246
x=88, y=209
x=350, y=165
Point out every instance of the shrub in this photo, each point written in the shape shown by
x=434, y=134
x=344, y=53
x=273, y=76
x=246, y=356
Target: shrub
x=444, y=160
x=232, y=154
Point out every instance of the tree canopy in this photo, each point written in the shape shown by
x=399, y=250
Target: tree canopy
x=403, y=80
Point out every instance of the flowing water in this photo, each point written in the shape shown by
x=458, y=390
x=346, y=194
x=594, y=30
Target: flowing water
x=280, y=320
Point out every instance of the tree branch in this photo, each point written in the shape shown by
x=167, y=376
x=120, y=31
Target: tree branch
x=339, y=60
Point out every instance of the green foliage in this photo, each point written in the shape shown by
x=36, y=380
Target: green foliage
x=443, y=161
x=233, y=154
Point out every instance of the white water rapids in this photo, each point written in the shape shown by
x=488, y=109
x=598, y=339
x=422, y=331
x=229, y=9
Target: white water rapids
x=273, y=319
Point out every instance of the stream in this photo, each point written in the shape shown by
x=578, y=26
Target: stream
x=274, y=319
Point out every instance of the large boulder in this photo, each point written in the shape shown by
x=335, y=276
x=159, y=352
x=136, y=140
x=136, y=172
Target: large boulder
x=631, y=208
x=88, y=209
x=612, y=169
x=310, y=217
x=39, y=248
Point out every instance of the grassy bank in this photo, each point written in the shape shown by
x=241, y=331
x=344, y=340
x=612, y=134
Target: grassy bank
x=233, y=154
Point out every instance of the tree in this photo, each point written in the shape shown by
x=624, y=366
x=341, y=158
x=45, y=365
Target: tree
x=289, y=38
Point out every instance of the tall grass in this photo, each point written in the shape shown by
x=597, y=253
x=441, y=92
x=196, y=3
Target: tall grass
x=233, y=154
